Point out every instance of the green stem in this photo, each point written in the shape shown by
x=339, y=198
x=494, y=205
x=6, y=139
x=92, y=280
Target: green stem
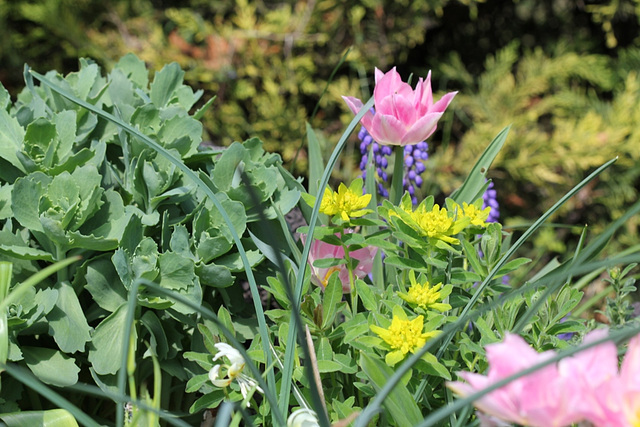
x=63, y=273
x=398, y=173
x=352, y=285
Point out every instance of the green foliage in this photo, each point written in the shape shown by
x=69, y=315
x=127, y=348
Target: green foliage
x=78, y=185
x=561, y=129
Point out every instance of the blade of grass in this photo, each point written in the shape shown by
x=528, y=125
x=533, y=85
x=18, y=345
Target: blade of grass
x=93, y=390
x=317, y=106
x=297, y=292
x=471, y=186
x=20, y=289
x=307, y=347
x=29, y=380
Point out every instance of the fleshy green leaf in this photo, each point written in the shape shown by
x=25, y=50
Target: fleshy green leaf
x=67, y=322
x=51, y=366
x=107, y=344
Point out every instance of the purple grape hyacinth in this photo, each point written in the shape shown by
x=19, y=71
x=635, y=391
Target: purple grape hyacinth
x=489, y=198
x=414, y=157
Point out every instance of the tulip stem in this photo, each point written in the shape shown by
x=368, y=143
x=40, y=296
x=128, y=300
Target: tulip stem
x=398, y=172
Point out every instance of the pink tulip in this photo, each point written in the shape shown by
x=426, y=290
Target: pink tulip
x=322, y=250
x=618, y=399
x=403, y=116
x=549, y=397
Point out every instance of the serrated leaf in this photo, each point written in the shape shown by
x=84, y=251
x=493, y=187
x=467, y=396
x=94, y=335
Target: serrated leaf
x=11, y=139
x=135, y=70
x=165, y=83
x=25, y=252
x=25, y=199
x=104, y=285
x=176, y=271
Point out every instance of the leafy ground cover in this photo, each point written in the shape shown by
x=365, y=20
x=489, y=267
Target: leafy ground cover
x=148, y=279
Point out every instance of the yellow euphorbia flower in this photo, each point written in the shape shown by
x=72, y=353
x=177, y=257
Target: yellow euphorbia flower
x=477, y=216
x=403, y=335
x=437, y=223
x=426, y=296
x=348, y=202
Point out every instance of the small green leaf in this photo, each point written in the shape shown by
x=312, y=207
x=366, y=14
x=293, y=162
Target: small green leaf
x=366, y=295
x=104, y=285
x=330, y=300
x=211, y=400
x=328, y=366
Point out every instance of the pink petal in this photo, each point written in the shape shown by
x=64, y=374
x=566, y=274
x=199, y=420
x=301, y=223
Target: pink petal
x=379, y=74
x=594, y=365
x=389, y=84
x=424, y=96
x=422, y=129
x=401, y=108
x=510, y=356
x=355, y=105
x=386, y=129
x=443, y=103
x=630, y=369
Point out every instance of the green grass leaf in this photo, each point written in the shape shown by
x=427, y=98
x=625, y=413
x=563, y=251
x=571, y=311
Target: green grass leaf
x=400, y=404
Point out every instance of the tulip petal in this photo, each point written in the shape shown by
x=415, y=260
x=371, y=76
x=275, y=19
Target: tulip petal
x=423, y=100
x=443, y=103
x=386, y=129
x=422, y=129
x=355, y=105
x=390, y=84
x=401, y=108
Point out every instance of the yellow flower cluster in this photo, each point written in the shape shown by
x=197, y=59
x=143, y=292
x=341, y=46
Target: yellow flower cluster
x=425, y=296
x=403, y=335
x=440, y=223
x=347, y=202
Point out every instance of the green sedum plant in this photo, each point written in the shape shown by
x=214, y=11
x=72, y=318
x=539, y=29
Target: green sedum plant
x=75, y=184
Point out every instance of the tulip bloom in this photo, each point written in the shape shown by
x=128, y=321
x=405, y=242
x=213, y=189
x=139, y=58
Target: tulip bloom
x=322, y=250
x=617, y=397
x=553, y=396
x=403, y=116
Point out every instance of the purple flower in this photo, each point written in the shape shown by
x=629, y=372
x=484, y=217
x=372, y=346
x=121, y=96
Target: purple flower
x=490, y=199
